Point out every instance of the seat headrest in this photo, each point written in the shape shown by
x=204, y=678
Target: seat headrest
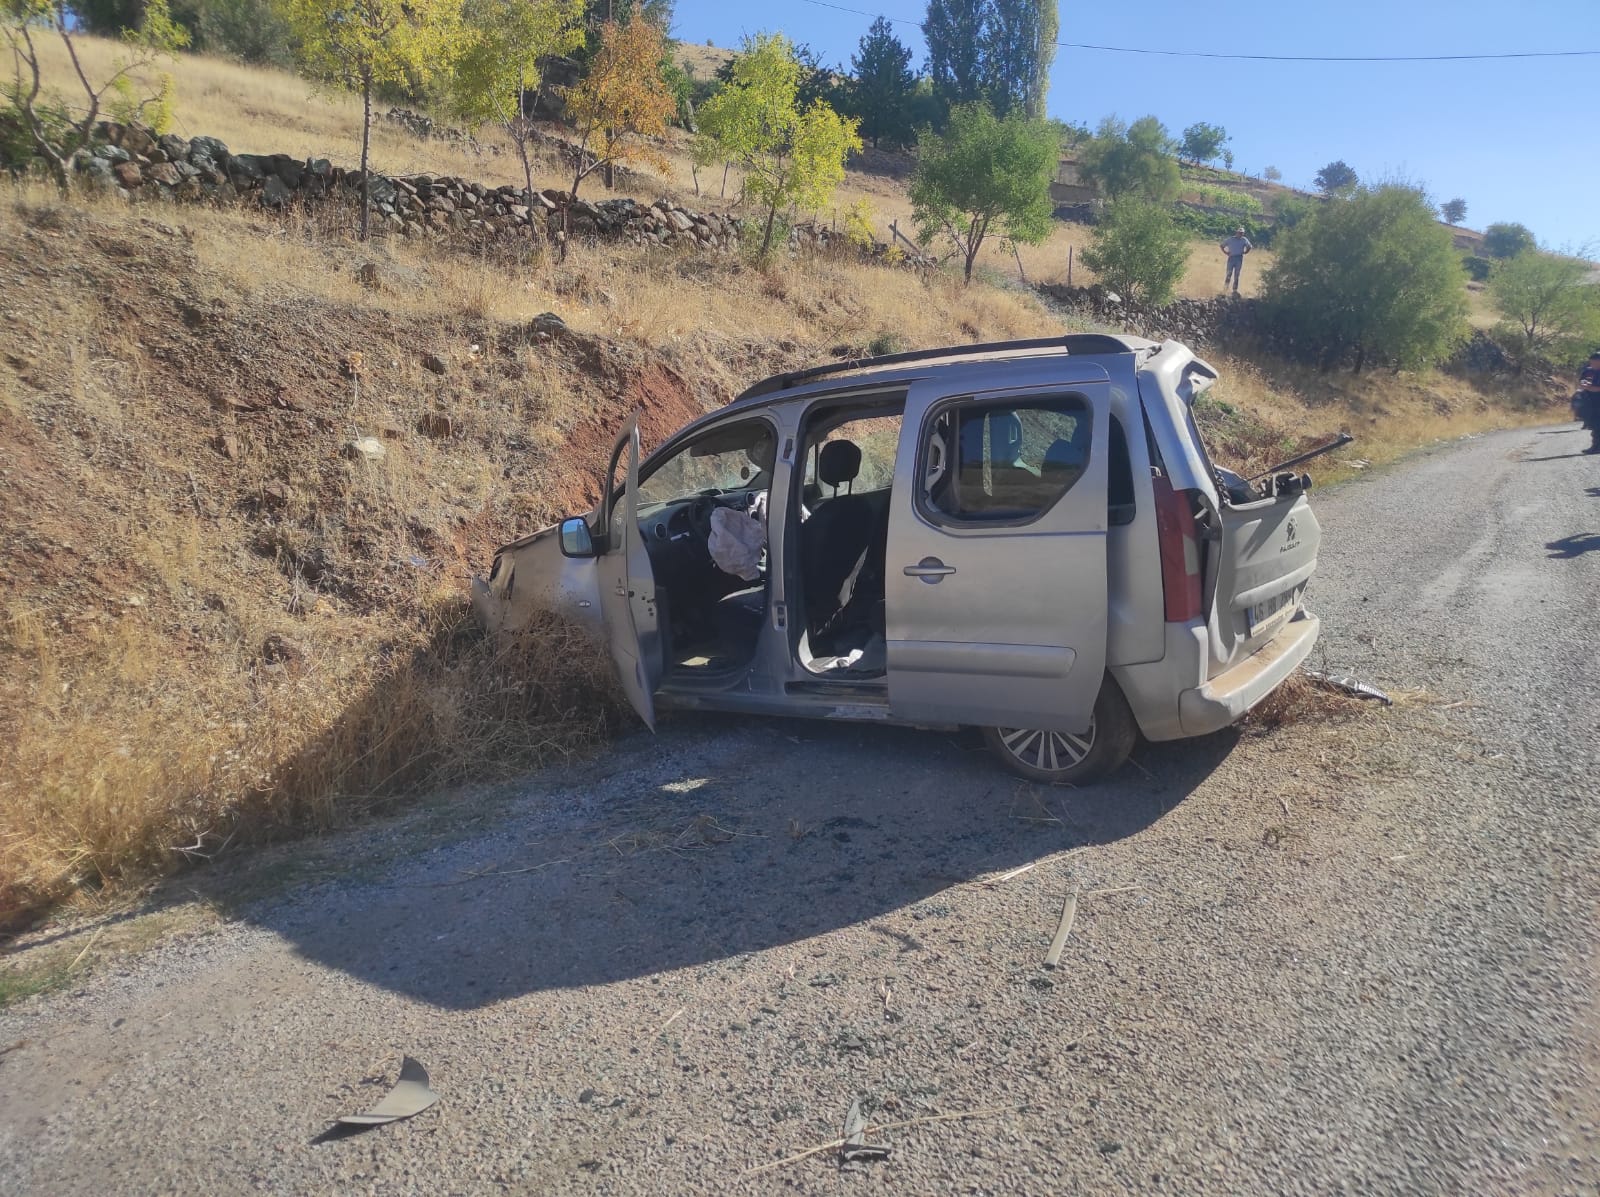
x=1005, y=439
x=1062, y=457
x=838, y=463
x=1005, y=436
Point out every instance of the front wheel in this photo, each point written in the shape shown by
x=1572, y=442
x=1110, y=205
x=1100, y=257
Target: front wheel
x=1062, y=758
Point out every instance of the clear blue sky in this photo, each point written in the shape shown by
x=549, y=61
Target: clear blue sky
x=1515, y=139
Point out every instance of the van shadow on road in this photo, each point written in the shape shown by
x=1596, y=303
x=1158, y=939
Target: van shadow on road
x=802, y=829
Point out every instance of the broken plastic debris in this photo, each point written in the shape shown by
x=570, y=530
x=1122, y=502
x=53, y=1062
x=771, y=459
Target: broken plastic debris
x=855, y=1148
x=1349, y=685
x=409, y=1096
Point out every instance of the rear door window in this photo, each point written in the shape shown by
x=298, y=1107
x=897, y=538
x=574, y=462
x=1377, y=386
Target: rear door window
x=1008, y=461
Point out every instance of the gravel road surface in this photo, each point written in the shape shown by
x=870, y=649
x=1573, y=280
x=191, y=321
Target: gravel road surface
x=1354, y=952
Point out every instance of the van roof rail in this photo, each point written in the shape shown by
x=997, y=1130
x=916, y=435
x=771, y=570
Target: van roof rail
x=1083, y=343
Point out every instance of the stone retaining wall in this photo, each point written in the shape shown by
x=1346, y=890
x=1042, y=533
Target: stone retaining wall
x=140, y=165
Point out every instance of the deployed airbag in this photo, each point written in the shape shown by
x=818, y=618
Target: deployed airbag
x=736, y=542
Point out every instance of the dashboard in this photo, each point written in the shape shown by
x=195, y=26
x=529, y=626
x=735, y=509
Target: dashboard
x=687, y=521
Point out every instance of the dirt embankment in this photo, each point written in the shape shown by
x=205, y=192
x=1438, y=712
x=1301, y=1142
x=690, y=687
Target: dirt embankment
x=239, y=530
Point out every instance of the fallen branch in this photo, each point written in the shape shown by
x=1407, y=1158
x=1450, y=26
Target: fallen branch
x=1069, y=914
x=681, y=1011
x=470, y=877
x=834, y=1144
x=991, y=882
x=76, y=959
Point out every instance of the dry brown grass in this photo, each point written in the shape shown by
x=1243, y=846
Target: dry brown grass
x=1259, y=413
x=1300, y=700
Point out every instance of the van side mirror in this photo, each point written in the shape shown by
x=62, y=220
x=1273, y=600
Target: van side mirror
x=576, y=539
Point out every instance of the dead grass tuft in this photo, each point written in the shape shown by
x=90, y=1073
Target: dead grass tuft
x=1301, y=700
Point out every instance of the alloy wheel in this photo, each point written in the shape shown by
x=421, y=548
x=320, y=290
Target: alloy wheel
x=1048, y=751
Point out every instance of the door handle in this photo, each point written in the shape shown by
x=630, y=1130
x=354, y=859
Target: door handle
x=929, y=569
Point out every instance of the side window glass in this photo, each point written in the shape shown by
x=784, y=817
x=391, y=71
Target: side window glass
x=1005, y=461
x=1120, y=503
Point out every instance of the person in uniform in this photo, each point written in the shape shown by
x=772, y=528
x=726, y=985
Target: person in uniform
x=1587, y=400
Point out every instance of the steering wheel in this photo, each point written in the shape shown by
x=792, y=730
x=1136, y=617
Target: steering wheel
x=700, y=517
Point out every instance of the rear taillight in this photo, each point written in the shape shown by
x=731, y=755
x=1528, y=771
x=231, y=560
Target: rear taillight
x=1180, y=552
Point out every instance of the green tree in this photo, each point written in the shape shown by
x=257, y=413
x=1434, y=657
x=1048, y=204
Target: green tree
x=1507, y=240
x=998, y=51
x=1547, y=303
x=985, y=174
x=1202, y=142
x=793, y=157
x=1019, y=46
x=1138, y=250
x=252, y=31
x=623, y=100
x=880, y=94
x=597, y=13
x=501, y=57
x=955, y=32
x=817, y=81
x=1337, y=178
x=58, y=129
x=1272, y=174
x=106, y=18
x=1454, y=211
x=360, y=45
x=1377, y=277
x=1132, y=159
x=1289, y=210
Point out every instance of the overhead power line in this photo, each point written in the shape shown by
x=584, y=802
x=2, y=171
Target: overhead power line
x=1265, y=57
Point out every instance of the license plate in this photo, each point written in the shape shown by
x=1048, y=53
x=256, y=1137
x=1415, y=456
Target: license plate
x=1264, y=613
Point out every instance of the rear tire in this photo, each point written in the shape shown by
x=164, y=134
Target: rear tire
x=1058, y=759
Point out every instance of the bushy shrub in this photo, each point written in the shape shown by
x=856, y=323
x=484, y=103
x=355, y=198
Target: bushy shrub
x=1374, y=276
x=1290, y=210
x=1139, y=250
x=858, y=227
x=1547, y=303
x=252, y=31
x=1507, y=240
x=1199, y=223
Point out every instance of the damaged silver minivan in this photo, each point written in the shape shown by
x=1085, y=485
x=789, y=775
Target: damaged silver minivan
x=1027, y=538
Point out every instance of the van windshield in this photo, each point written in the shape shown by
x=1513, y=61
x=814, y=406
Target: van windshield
x=725, y=459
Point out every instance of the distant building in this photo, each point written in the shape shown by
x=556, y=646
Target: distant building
x=1070, y=187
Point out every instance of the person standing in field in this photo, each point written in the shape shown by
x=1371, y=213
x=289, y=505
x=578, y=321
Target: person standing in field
x=1235, y=247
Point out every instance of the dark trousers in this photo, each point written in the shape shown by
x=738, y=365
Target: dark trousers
x=1235, y=264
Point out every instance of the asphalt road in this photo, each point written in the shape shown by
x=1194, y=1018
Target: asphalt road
x=1354, y=953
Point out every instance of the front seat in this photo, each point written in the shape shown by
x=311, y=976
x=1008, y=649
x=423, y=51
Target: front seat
x=1010, y=483
x=836, y=535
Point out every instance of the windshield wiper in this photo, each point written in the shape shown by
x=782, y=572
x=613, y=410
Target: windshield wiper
x=1338, y=442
